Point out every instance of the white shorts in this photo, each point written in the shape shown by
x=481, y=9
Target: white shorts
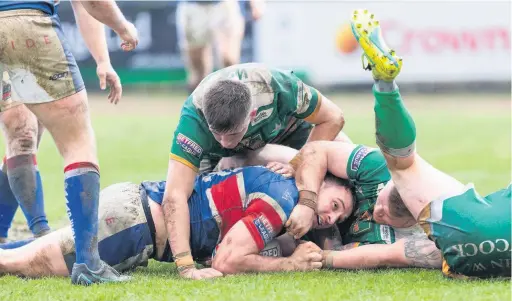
x=35, y=61
x=198, y=23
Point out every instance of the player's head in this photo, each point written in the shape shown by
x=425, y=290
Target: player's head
x=390, y=208
x=228, y=111
x=335, y=201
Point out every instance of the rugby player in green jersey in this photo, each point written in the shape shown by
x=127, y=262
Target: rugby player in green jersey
x=232, y=111
x=472, y=232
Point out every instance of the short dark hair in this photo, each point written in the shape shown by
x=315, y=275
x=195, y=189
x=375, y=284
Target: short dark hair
x=226, y=104
x=331, y=179
x=397, y=207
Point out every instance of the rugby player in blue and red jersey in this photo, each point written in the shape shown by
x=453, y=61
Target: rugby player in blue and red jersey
x=235, y=216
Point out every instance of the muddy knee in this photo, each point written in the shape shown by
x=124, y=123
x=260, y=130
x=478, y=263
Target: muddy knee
x=20, y=131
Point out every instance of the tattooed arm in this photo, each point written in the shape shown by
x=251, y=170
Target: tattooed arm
x=421, y=252
x=413, y=251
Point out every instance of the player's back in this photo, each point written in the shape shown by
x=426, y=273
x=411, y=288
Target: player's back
x=226, y=197
x=233, y=187
x=46, y=6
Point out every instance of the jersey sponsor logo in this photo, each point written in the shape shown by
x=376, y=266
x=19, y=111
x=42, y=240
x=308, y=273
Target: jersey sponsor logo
x=385, y=233
x=358, y=157
x=271, y=252
x=262, y=115
x=189, y=146
x=287, y=195
x=264, y=228
x=486, y=247
x=57, y=76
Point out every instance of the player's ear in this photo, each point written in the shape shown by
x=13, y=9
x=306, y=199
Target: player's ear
x=252, y=115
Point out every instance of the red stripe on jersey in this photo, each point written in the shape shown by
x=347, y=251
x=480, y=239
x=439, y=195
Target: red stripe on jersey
x=255, y=233
x=262, y=221
x=259, y=207
x=226, y=197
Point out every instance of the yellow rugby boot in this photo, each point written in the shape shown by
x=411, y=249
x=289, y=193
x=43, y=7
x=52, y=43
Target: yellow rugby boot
x=377, y=56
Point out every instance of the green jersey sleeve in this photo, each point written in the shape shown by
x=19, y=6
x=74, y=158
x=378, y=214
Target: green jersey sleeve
x=367, y=171
x=191, y=139
x=294, y=96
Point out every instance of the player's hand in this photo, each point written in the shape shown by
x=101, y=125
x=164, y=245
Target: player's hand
x=306, y=257
x=300, y=221
x=283, y=169
x=108, y=77
x=129, y=36
x=198, y=274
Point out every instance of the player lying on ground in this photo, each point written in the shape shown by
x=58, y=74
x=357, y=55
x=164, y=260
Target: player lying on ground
x=22, y=182
x=472, y=232
x=234, y=214
x=236, y=109
x=369, y=240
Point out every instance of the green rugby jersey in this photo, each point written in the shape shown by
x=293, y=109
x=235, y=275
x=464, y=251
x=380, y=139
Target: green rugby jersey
x=283, y=102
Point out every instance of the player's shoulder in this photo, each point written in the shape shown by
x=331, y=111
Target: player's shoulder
x=258, y=177
x=365, y=157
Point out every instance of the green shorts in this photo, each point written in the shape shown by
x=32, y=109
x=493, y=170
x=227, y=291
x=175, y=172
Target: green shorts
x=472, y=232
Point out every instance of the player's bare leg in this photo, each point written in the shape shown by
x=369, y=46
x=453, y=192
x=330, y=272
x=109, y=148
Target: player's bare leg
x=417, y=181
x=23, y=134
x=42, y=257
x=68, y=122
x=199, y=63
x=229, y=41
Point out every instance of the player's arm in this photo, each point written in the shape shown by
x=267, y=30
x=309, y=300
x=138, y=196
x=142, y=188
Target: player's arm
x=310, y=165
x=413, y=251
x=186, y=153
x=180, y=182
x=239, y=251
x=328, y=119
x=108, y=13
x=317, y=158
x=317, y=109
x=93, y=33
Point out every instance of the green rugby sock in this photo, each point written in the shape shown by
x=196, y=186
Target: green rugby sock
x=395, y=129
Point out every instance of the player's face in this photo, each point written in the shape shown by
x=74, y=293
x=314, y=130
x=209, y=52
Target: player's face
x=230, y=139
x=381, y=212
x=335, y=204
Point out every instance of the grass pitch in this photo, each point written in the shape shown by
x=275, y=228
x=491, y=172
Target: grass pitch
x=467, y=136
